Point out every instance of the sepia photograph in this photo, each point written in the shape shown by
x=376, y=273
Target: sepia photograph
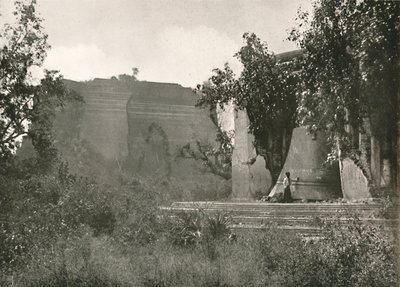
x=199, y=143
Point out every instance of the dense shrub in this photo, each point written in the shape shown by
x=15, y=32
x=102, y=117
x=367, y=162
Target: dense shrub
x=196, y=249
x=61, y=230
x=343, y=256
x=90, y=278
x=136, y=208
x=37, y=210
x=68, y=263
x=190, y=228
x=352, y=250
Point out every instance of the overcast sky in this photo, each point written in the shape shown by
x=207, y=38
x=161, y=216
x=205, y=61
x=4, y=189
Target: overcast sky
x=178, y=41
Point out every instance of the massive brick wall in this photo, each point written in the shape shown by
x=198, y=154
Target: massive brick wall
x=144, y=125
x=118, y=114
x=104, y=123
x=161, y=119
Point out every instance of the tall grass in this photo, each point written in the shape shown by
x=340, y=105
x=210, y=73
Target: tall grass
x=272, y=257
x=61, y=230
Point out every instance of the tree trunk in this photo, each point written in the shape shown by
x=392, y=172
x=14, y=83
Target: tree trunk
x=270, y=161
x=376, y=160
x=396, y=180
x=283, y=154
x=396, y=160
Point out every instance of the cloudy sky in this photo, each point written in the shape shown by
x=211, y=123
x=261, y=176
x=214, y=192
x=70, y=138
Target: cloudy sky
x=177, y=41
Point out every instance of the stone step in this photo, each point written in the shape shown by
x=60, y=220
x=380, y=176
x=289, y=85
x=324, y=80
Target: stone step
x=289, y=219
x=278, y=209
x=282, y=211
x=297, y=221
x=269, y=206
x=301, y=230
x=297, y=217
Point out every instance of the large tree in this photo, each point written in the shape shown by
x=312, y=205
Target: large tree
x=27, y=108
x=350, y=74
x=266, y=88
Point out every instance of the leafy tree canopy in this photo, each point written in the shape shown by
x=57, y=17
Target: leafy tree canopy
x=350, y=70
x=26, y=108
x=127, y=78
x=347, y=77
x=266, y=88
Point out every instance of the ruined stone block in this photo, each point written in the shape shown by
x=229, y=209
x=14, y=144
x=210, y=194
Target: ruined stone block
x=305, y=160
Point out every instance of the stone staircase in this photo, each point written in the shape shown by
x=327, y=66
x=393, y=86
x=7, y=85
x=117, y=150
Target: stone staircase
x=297, y=217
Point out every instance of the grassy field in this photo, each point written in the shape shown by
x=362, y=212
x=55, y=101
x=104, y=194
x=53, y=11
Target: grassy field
x=148, y=248
x=58, y=229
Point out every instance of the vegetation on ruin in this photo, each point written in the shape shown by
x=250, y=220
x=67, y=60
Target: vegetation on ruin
x=137, y=246
x=266, y=89
x=345, y=83
x=127, y=78
x=216, y=159
x=350, y=71
x=70, y=218
x=27, y=109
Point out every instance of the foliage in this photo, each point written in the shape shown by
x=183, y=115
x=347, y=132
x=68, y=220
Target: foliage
x=218, y=160
x=68, y=263
x=219, y=89
x=125, y=78
x=344, y=256
x=26, y=109
x=350, y=70
x=51, y=95
x=186, y=228
x=57, y=228
x=346, y=82
x=266, y=88
x=37, y=210
x=136, y=210
x=197, y=249
x=278, y=249
x=191, y=228
x=353, y=250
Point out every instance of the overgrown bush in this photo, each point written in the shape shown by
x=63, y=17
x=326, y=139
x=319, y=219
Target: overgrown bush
x=68, y=263
x=196, y=249
x=199, y=227
x=344, y=256
x=37, y=210
x=352, y=250
x=61, y=230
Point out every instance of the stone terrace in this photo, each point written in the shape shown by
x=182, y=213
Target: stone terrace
x=298, y=217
